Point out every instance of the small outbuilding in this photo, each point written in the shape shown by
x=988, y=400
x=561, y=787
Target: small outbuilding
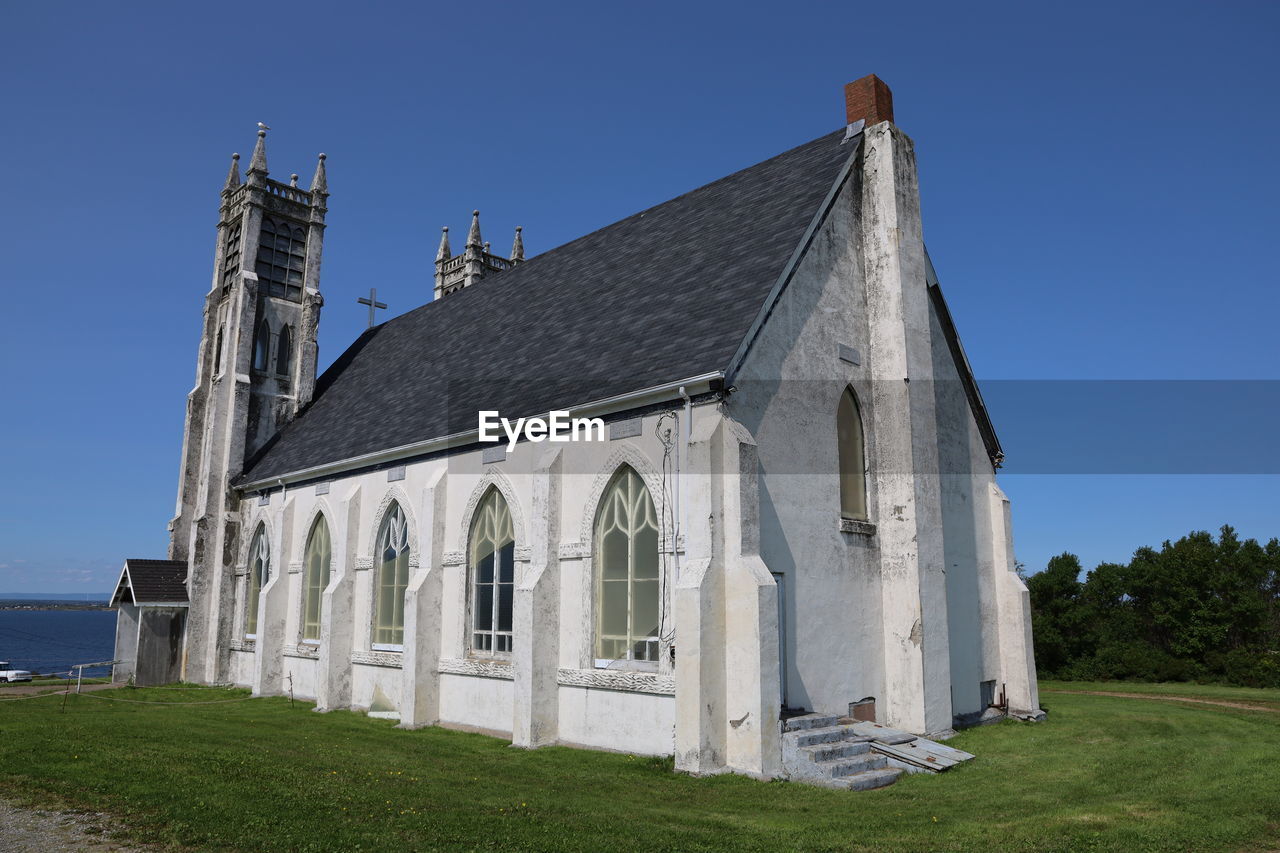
x=151, y=614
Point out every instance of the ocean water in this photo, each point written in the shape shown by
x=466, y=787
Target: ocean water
x=48, y=641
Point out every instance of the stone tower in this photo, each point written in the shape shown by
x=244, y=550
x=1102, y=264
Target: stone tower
x=256, y=368
x=454, y=272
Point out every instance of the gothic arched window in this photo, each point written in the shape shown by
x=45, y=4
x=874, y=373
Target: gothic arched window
x=262, y=346
x=282, y=258
x=318, y=556
x=259, y=574
x=393, y=578
x=285, y=351
x=853, y=459
x=627, y=573
x=492, y=568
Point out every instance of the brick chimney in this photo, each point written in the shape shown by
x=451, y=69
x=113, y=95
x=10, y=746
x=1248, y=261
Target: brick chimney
x=868, y=99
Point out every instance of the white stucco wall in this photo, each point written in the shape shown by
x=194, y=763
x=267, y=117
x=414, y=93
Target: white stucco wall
x=787, y=395
x=483, y=703
x=303, y=671
x=626, y=722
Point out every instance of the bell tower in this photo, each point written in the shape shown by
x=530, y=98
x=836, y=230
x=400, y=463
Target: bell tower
x=255, y=369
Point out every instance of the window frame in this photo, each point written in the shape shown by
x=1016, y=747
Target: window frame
x=393, y=534
x=262, y=346
x=284, y=352
x=309, y=586
x=493, y=510
x=633, y=502
x=853, y=445
x=281, y=259
x=258, y=576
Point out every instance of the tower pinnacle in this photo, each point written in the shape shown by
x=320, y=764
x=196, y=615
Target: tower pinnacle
x=517, y=248
x=444, y=253
x=259, y=161
x=473, y=236
x=319, y=182
x=233, y=174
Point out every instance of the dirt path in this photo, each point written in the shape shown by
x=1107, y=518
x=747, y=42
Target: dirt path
x=35, y=831
x=1222, y=703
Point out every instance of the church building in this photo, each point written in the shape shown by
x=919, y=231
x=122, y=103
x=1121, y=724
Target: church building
x=787, y=510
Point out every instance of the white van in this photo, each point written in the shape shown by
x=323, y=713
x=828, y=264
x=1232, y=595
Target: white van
x=7, y=674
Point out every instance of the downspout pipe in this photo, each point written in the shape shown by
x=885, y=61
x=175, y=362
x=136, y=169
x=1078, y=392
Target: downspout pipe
x=682, y=458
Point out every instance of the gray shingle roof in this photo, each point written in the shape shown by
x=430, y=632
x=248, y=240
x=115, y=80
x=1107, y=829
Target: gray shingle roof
x=663, y=295
x=152, y=581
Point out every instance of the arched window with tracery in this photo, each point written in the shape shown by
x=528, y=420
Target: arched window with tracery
x=393, y=578
x=628, y=594
x=491, y=566
x=319, y=555
x=259, y=574
x=853, y=458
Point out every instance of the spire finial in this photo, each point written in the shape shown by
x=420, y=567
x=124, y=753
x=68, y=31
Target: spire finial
x=473, y=236
x=233, y=174
x=319, y=182
x=444, y=253
x=258, y=163
x=517, y=248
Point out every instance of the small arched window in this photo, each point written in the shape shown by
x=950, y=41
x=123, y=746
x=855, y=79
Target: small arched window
x=285, y=351
x=492, y=567
x=262, y=346
x=853, y=458
x=393, y=578
x=318, y=557
x=627, y=577
x=259, y=574
x=217, y=354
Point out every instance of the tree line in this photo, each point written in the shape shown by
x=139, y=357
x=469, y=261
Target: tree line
x=1194, y=610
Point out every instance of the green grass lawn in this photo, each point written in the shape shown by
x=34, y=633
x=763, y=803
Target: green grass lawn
x=1263, y=696
x=1102, y=773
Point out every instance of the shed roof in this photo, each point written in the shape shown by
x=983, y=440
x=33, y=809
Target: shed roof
x=152, y=582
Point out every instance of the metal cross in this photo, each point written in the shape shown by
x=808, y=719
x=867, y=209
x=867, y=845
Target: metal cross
x=372, y=302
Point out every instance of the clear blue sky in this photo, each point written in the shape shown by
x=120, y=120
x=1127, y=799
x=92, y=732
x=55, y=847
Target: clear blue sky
x=1099, y=185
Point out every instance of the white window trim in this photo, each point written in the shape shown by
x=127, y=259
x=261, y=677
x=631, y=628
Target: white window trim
x=634, y=665
x=385, y=536
x=473, y=653
x=629, y=662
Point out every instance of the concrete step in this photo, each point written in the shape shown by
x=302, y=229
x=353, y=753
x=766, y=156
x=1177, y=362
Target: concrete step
x=830, y=734
x=836, y=749
x=809, y=721
x=868, y=779
x=853, y=764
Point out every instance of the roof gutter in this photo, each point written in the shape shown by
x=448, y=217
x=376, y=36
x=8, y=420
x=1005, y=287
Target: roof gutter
x=618, y=403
